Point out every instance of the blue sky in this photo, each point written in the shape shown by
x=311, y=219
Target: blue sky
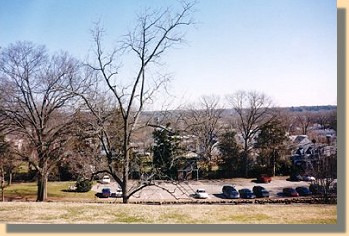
x=284, y=48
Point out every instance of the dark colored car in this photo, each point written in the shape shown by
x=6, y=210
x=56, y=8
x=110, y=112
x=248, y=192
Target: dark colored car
x=263, y=178
x=246, y=193
x=260, y=191
x=290, y=192
x=303, y=191
x=230, y=192
x=295, y=178
x=106, y=192
x=317, y=189
x=333, y=186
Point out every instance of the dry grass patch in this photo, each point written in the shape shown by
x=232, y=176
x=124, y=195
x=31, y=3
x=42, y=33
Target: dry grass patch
x=94, y=213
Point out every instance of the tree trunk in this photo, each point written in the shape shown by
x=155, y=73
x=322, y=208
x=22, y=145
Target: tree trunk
x=2, y=187
x=2, y=184
x=246, y=161
x=9, y=181
x=2, y=194
x=42, y=187
x=246, y=165
x=126, y=164
x=274, y=163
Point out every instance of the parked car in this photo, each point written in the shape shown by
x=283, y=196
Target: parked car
x=290, y=192
x=105, y=180
x=230, y=192
x=260, y=191
x=303, y=191
x=308, y=178
x=295, y=178
x=333, y=186
x=118, y=193
x=317, y=189
x=106, y=192
x=246, y=193
x=263, y=178
x=201, y=193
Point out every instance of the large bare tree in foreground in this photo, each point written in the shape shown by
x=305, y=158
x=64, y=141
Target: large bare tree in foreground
x=155, y=33
x=35, y=105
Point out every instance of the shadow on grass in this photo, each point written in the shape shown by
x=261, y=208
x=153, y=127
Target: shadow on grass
x=69, y=191
x=219, y=195
x=258, y=182
x=113, y=195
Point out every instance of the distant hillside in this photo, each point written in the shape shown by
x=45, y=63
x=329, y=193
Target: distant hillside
x=312, y=108
x=231, y=111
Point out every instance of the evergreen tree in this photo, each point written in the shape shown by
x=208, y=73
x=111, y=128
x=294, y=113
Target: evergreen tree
x=271, y=140
x=231, y=162
x=166, y=151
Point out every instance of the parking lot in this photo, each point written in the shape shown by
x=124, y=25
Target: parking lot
x=164, y=191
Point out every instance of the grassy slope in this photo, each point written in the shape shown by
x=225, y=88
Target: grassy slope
x=89, y=213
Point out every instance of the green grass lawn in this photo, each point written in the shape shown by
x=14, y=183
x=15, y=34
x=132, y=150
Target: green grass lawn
x=55, y=191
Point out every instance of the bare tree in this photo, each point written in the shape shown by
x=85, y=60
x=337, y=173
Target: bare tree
x=203, y=121
x=304, y=120
x=34, y=105
x=325, y=170
x=326, y=119
x=254, y=111
x=288, y=120
x=4, y=150
x=154, y=34
x=81, y=151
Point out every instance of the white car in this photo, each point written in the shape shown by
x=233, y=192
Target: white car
x=308, y=178
x=201, y=193
x=105, y=180
x=118, y=193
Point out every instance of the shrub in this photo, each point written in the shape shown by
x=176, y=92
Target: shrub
x=83, y=185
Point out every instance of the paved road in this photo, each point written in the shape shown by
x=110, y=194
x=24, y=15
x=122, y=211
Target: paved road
x=185, y=190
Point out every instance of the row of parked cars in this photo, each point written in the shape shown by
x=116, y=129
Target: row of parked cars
x=228, y=192
x=298, y=177
x=107, y=192
x=231, y=192
x=263, y=178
